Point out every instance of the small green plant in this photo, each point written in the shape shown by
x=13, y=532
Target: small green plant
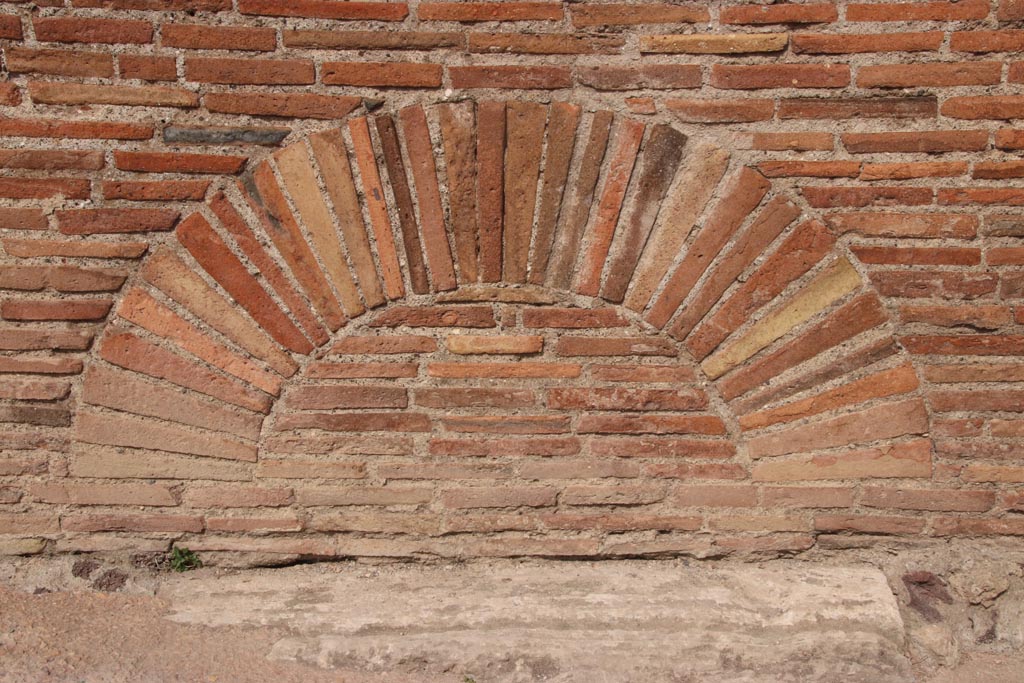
x=183, y=560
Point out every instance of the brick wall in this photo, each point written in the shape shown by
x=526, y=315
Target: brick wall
x=321, y=278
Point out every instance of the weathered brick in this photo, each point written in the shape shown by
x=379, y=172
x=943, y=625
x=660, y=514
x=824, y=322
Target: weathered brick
x=859, y=108
x=614, y=346
x=341, y=396
x=933, y=75
x=984, y=107
x=917, y=141
x=372, y=40
x=382, y=74
x=59, y=62
x=918, y=225
x=326, y=9
x=441, y=316
x=92, y=30
x=622, y=14
x=28, y=309
x=249, y=71
x=655, y=76
x=133, y=522
x=292, y=105
x=104, y=494
x=938, y=10
x=928, y=499
x=510, y=76
x=124, y=95
x=884, y=421
x=465, y=344
x=987, y=41
x=485, y=497
x=852, y=43
x=119, y=429
x=508, y=446
x=82, y=130
x=627, y=399
x=512, y=424
x=207, y=37
x=475, y=398
x=355, y=422
x=728, y=43
x=146, y=191
x=751, y=77
x=470, y=12
x=721, y=110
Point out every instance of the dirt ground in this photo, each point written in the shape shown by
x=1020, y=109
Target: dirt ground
x=114, y=633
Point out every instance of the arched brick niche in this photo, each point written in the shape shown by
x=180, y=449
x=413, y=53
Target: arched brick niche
x=496, y=328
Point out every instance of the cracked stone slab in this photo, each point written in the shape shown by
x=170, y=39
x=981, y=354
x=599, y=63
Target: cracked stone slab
x=567, y=622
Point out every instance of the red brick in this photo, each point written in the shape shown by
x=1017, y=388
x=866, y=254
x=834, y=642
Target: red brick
x=362, y=370
x=104, y=494
x=27, y=339
x=178, y=162
x=208, y=37
x=466, y=344
x=440, y=316
x=510, y=446
x=512, y=424
x=122, y=429
x=504, y=370
x=782, y=13
x=810, y=169
x=963, y=526
x=992, y=399
x=92, y=30
x=853, y=43
x=614, y=346
x=129, y=96
x=25, y=309
x=326, y=9
x=143, y=310
x=382, y=74
x=987, y=41
x=355, y=422
x=721, y=110
x=59, y=62
x=984, y=107
x=44, y=188
x=250, y=71
x=933, y=284
x=919, y=256
x=902, y=526
x=510, y=76
x=1010, y=10
x=309, y=469
x=475, y=398
x=617, y=494
x=162, y=5
x=750, y=77
x=982, y=195
x=51, y=159
x=373, y=40
x=940, y=10
x=345, y=396
x=934, y=75
x=148, y=68
x=885, y=421
x=470, y=12
x=929, y=141
x=82, y=130
x=31, y=390
x=543, y=44
x=132, y=522
x=622, y=14
x=132, y=353
x=40, y=366
x=917, y=225
x=10, y=27
x=952, y=500
x=911, y=170
x=831, y=197
x=573, y=318
x=105, y=221
x=995, y=170
x=650, y=424
x=292, y=105
x=856, y=108
x=486, y=497
x=166, y=191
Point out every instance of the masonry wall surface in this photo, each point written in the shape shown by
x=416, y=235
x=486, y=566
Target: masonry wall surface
x=323, y=278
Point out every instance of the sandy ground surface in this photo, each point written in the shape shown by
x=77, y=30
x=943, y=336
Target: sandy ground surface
x=98, y=637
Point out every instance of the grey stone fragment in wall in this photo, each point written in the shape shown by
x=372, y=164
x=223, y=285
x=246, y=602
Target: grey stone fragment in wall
x=225, y=136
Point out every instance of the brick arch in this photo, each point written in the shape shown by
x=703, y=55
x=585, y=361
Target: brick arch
x=440, y=210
